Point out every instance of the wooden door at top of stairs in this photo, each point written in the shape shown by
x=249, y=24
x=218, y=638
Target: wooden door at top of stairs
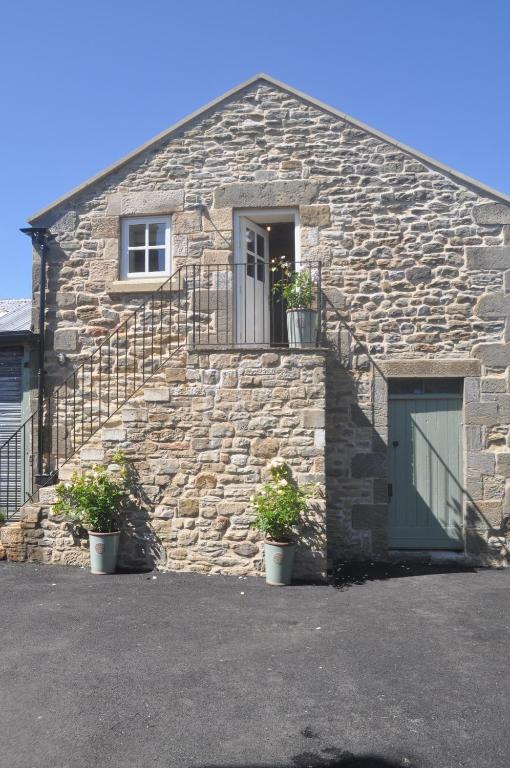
x=252, y=284
x=425, y=472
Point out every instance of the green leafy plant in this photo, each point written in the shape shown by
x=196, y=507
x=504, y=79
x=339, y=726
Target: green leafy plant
x=297, y=288
x=3, y=518
x=93, y=499
x=280, y=504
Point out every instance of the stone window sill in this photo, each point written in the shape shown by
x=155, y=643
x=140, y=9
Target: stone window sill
x=135, y=286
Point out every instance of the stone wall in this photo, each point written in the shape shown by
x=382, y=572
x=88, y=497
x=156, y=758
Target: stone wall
x=414, y=269
x=199, y=438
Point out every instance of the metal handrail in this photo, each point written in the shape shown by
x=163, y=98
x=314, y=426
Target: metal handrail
x=197, y=305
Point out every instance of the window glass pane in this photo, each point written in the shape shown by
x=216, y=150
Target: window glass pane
x=136, y=235
x=425, y=386
x=405, y=386
x=443, y=386
x=250, y=266
x=250, y=240
x=261, y=271
x=157, y=260
x=136, y=261
x=260, y=245
x=157, y=233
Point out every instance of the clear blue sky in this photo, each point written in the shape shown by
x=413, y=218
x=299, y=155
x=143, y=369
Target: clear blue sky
x=85, y=82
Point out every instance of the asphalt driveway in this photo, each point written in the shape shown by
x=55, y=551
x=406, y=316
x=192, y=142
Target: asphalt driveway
x=190, y=671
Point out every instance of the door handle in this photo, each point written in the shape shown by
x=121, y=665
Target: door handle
x=390, y=490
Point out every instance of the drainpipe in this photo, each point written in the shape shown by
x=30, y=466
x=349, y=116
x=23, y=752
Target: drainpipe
x=40, y=237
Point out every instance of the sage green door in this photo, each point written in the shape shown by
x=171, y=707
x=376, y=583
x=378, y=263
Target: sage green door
x=425, y=464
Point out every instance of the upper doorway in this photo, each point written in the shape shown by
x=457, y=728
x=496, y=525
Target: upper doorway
x=261, y=238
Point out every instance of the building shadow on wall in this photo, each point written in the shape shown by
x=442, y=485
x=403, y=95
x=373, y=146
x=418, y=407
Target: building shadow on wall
x=140, y=549
x=356, y=473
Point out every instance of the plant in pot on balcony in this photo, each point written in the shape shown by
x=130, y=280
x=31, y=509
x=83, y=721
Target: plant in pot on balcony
x=93, y=500
x=298, y=288
x=279, y=507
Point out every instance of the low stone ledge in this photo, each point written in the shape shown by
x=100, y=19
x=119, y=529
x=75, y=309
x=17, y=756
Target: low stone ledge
x=425, y=368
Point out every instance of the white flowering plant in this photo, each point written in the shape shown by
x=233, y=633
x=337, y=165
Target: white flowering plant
x=280, y=504
x=93, y=499
x=297, y=288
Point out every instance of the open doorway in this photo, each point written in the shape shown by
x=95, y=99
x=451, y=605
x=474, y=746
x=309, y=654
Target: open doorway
x=262, y=239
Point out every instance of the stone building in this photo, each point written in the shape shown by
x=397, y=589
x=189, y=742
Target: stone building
x=161, y=321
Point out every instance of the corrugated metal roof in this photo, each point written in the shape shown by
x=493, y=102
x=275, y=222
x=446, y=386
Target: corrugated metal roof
x=15, y=315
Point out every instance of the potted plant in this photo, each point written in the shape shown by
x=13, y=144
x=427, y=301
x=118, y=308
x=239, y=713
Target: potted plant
x=298, y=289
x=93, y=500
x=279, y=507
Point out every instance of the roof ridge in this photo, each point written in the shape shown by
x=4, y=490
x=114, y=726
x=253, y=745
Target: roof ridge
x=261, y=76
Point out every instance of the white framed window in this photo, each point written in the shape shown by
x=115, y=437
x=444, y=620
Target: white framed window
x=145, y=247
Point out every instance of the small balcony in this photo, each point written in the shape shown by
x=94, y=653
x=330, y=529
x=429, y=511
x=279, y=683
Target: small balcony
x=254, y=304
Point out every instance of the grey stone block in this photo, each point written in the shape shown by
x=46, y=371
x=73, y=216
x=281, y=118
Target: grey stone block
x=260, y=194
x=66, y=340
x=485, y=414
x=492, y=306
x=417, y=275
x=488, y=257
x=503, y=464
x=313, y=418
x=491, y=213
x=493, y=355
x=369, y=465
x=142, y=203
x=474, y=484
x=105, y=226
x=484, y=514
x=156, y=395
x=315, y=216
x=113, y=435
x=92, y=454
x=473, y=438
x=493, y=385
x=431, y=368
x=471, y=389
x=367, y=516
x=62, y=222
x=66, y=300
x=334, y=296
x=481, y=462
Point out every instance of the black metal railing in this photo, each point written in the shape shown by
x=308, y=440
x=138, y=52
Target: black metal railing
x=210, y=305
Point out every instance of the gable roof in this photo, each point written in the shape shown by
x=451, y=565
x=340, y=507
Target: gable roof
x=15, y=315
x=434, y=164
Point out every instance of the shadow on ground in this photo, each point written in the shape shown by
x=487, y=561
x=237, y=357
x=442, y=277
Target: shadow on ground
x=331, y=758
x=351, y=573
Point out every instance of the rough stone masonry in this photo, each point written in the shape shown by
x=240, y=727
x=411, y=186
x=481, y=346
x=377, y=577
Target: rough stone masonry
x=416, y=266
